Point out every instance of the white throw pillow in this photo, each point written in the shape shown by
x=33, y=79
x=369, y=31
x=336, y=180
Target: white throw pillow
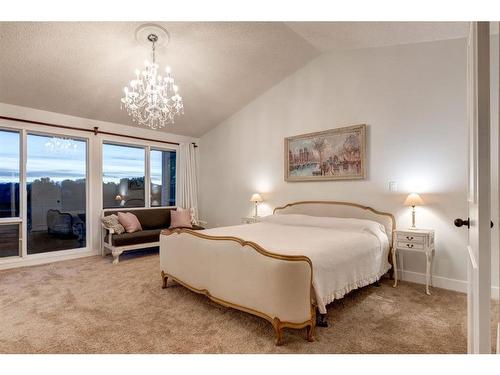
x=111, y=222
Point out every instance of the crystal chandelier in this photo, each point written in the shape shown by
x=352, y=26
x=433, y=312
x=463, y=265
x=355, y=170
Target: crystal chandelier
x=151, y=99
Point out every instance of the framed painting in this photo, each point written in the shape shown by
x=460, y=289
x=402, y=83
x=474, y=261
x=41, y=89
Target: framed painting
x=336, y=154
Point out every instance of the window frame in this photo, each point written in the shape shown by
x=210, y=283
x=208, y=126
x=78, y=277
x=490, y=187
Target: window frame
x=147, y=171
x=163, y=149
x=16, y=219
x=124, y=144
x=24, y=257
x=88, y=244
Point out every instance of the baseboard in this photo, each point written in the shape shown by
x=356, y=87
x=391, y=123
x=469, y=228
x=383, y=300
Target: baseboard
x=442, y=282
x=36, y=260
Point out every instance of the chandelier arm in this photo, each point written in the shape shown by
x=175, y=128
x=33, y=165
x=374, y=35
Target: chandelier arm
x=154, y=60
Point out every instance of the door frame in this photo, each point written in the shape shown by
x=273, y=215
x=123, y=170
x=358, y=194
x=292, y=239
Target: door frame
x=479, y=196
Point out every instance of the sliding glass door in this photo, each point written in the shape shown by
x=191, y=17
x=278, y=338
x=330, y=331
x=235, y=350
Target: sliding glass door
x=56, y=186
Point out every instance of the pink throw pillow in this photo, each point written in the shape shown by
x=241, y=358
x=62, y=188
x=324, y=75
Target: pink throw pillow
x=180, y=219
x=129, y=222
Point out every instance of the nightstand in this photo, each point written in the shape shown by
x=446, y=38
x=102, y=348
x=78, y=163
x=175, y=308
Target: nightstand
x=250, y=220
x=421, y=240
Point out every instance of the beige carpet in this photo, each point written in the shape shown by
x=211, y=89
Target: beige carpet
x=90, y=306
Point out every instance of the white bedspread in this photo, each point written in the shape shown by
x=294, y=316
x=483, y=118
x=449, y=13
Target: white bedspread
x=346, y=253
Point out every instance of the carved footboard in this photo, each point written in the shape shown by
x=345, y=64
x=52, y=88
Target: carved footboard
x=242, y=275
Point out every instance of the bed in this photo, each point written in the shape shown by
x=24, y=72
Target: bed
x=288, y=265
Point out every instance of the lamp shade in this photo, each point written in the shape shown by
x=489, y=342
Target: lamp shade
x=256, y=198
x=413, y=199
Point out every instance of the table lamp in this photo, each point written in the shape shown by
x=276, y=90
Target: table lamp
x=256, y=198
x=413, y=199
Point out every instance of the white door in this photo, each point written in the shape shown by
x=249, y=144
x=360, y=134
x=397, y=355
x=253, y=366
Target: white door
x=479, y=200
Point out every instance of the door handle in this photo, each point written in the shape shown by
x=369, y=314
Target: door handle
x=460, y=222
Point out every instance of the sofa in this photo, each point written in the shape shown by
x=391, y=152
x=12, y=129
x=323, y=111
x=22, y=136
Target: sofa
x=152, y=220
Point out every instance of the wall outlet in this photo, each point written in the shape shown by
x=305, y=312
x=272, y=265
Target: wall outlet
x=393, y=186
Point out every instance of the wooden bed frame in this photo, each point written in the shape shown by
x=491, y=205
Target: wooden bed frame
x=179, y=246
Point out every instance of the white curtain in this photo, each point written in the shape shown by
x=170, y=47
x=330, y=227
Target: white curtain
x=187, y=193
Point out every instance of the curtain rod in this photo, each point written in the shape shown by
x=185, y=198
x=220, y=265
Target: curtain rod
x=95, y=130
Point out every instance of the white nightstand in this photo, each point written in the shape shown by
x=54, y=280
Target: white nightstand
x=250, y=220
x=421, y=240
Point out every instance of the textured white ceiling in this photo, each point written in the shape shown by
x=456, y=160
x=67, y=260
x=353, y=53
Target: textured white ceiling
x=327, y=36
x=80, y=68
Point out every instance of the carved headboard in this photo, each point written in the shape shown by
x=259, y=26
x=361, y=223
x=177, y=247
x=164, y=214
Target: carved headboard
x=340, y=209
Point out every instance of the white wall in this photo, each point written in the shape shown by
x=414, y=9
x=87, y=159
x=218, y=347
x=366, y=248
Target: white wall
x=413, y=99
x=94, y=166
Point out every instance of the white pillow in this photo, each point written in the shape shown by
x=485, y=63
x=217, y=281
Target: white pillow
x=111, y=222
x=336, y=223
x=339, y=223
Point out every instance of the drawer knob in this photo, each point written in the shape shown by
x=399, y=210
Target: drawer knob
x=409, y=238
x=410, y=245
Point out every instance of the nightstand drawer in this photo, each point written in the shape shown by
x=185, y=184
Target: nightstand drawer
x=410, y=245
x=411, y=238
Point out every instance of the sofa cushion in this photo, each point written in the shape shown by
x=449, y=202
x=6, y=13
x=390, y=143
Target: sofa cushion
x=155, y=218
x=136, y=238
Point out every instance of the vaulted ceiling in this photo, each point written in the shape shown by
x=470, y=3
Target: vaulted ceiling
x=80, y=68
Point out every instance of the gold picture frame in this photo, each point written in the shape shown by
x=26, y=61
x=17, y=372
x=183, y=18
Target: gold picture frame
x=335, y=154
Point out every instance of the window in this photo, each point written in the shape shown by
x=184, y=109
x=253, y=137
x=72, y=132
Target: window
x=56, y=184
x=163, y=168
x=9, y=174
x=123, y=176
x=9, y=193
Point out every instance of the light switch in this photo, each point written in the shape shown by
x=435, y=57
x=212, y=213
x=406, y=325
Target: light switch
x=393, y=186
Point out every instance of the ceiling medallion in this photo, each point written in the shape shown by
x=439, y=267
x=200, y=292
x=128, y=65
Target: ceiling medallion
x=152, y=99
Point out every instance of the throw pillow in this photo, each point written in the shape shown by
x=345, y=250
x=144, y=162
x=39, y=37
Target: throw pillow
x=180, y=219
x=111, y=222
x=129, y=221
x=191, y=213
